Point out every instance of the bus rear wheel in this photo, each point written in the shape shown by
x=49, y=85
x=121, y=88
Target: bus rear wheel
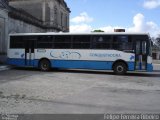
x=120, y=68
x=44, y=65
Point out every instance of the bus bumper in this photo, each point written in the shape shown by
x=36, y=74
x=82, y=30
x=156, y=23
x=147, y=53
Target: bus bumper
x=149, y=67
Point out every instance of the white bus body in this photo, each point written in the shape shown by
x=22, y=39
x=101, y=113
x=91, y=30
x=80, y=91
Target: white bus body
x=31, y=52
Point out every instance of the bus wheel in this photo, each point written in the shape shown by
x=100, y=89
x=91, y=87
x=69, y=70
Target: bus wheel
x=44, y=65
x=120, y=68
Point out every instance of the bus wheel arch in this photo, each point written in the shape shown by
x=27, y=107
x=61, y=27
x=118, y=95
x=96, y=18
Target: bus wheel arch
x=44, y=64
x=120, y=67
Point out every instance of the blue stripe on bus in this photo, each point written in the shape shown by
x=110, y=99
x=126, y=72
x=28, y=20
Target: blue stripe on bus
x=17, y=62
x=99, y=65
x=21, y=62
x=82, y=64
x=72, y=64
x=149, y=67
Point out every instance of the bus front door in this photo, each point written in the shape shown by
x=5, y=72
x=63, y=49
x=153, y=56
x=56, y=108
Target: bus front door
x=141, y=55
x=29, y=53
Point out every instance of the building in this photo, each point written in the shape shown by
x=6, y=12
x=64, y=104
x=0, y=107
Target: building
x=31, y=16
x=156, y=53
x=53, y=13
x=156, y=49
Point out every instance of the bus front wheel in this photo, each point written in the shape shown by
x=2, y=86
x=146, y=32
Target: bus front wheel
x=120, y=68
x=44, y=65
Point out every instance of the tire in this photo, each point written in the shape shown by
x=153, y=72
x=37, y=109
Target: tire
x=44, y=65
x=120, y=68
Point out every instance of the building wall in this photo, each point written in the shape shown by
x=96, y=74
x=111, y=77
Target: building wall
x=18, y=26
x=33, y=7
x=51, y=12
x=3, y=31
x=58, y=15
x=156, y=55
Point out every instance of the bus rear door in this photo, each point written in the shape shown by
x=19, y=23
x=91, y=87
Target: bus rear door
x=29, y=52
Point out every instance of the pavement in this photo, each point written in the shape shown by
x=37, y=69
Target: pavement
x=30, y=91
x=4, y=67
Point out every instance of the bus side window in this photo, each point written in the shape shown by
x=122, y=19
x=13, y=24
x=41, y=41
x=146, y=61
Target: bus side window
x=81, y=42
x=16, y=42
x=45, y=42
x=122, y=42
x=101, y=42
x=62, y=42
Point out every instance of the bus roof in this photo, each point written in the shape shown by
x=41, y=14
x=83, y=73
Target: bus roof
x=92, y=33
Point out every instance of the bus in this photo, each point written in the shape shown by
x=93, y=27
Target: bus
x=120, y=52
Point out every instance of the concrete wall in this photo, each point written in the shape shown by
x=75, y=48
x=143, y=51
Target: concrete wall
x=156, y=55
x=50, y=12
x=156, y=61
x=17, y=26
x=3, y=31
x=32, y=7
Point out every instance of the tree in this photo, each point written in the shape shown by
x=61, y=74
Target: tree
x=158, y=42
x=98, y=31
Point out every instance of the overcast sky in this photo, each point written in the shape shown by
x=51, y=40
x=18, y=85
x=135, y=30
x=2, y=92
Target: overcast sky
x=133, y=15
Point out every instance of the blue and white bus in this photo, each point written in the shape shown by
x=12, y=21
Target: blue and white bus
x=120, y=52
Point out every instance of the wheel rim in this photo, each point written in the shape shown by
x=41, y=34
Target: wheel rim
x=120, y=69
x=44, y=66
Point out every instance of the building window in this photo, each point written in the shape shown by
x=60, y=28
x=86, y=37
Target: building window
x=154, y=55
x=55, y=15
x=66, y=21
x=61, y=19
